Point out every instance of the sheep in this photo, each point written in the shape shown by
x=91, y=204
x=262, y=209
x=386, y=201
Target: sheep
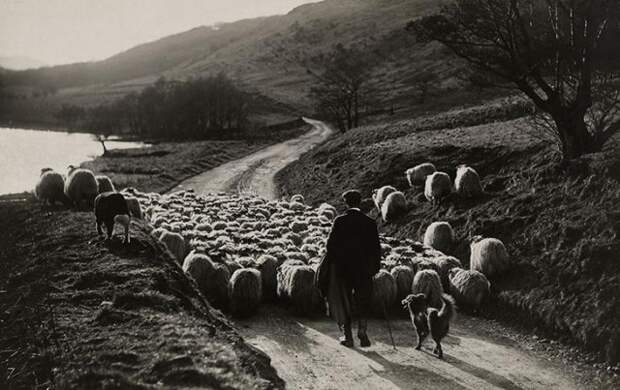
x=296, y=287
x=175, y=243
x=81, y=187
x=416, y=176
x=268, y=267
x=438, y=185
x=379, y=195
x=427, y=282
x=244, y=292
x=469, y=287
x=134, y=207
x=367, y=205
x=488, y=256
x=444, y=265
x=403, y=277
x=298, y=198
x=199, y=267
x=104, y=184
x=217, y=286
x=111, y=207
x=384, y=290
x=467, y=182
x=50, y=187
x=440, y=236
x=394, y=205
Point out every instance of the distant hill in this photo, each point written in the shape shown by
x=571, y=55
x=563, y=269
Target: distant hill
x=255, y=52
x=20, y=63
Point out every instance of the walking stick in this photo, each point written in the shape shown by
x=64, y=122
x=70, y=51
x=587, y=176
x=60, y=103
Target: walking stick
x=387, y=319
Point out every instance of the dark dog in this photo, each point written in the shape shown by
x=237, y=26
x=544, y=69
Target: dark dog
x=430, y=320
x=111, y=207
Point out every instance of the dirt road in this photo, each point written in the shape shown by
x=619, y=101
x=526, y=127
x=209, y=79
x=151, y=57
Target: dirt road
x=254, y=174
x=478, y=354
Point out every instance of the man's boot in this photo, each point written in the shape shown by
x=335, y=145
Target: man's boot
x=347, y=339
x=361, y=333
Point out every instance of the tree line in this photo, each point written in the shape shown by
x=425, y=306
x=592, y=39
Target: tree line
x=208, y=107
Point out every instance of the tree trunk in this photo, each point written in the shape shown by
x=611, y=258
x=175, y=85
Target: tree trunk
x=105, y=150
x=574, y=136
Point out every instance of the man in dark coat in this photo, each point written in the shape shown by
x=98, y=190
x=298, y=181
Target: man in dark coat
x=353, y=245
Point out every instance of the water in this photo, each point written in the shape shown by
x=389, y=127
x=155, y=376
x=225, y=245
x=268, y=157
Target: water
x=24, y=152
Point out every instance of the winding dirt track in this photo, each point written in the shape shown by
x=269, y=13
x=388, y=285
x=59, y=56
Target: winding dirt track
x=478, y=353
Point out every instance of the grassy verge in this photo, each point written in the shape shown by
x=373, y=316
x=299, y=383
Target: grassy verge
x=560, y=222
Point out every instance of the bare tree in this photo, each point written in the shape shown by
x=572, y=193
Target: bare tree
x=562, y=54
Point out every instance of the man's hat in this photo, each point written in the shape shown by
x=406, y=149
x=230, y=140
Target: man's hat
x=352, y=197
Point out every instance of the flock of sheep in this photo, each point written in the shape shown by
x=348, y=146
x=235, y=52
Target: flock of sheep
x=242, y=250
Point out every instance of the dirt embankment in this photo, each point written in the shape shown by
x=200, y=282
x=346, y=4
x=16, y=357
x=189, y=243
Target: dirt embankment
x=78, y=312
x=561, y=222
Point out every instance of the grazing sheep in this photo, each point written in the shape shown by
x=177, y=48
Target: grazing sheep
x=199, y=267
x=469, y=287
x=104, y=184
x=81, y=187
x=403, y=277
x=134, y=207
x=268, y=267
x=217, y=286
x=175, y=243
x=488, y=256
x=444, y=265
x=467, y=182
x=298, y=198
x=416, y=176
x=427, y=282
x=438, y=185
x=379, y=196
x=111, y=207
x=50, y=187
x=440, y=236
x=244, y=292
x=233, y=266
x=394, y=205
x=384, y=292
x=296, y=287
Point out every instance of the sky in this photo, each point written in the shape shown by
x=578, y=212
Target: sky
x=65, y=31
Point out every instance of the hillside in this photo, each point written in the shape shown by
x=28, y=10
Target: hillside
x=560, y=222
x=256, y=52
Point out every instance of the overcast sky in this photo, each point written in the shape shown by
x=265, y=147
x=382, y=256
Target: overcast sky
x=64, y=31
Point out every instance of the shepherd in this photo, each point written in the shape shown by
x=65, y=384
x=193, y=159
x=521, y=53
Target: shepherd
x=354, y=254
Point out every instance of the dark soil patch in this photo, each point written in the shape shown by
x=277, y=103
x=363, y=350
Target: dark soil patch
x=559, y=221
x=79, y=312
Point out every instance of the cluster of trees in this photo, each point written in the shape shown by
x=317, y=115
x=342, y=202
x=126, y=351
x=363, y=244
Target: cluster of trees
x=200, y=108
x=562, y=54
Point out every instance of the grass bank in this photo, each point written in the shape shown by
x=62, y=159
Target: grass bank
x=79, y=312
x=561, y=223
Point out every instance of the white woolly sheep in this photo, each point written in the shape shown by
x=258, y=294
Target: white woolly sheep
x=379, y=195
x=488, y=256
x=384, y=292
x=134, y=207
x=244, y=292
x=268, y=267
x=427, y=282
x=217, y=286
x=50, y=187
x=296, y=287
x=104, y=184
x=298, y=198
x=175, y=243
x=81, y=187
x=199, y=267
x=416, y=176
x=467, y=182
x=394, y=205
x=444, y=265
x=438, y=185
x=440, y=236
x=469, y=287
x=403, y=277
